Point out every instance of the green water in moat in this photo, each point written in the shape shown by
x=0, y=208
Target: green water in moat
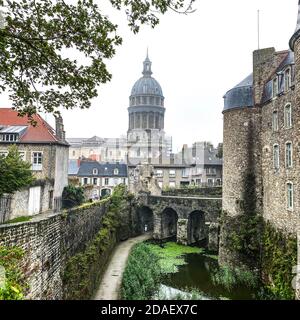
x=196, y=274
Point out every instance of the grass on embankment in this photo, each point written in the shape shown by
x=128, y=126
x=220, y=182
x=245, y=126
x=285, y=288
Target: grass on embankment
x=19, y=219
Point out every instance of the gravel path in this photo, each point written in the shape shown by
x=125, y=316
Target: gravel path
x=110, y=285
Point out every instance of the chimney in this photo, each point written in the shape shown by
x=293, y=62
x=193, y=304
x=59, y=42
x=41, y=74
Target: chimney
x=59, y=129
x=184, y=153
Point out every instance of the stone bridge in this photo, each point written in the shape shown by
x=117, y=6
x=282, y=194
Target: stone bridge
x=189, y=219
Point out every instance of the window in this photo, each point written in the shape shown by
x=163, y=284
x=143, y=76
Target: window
x=106, y=181
x=9, y=137
x=95, y=171
x=288, y=155
x=275, y=87
x=290, y=196
x=287, y=79
x=116, y=171
x=185, y=173
x=275, y=121
x=288, y=116
x=210, y=182
x=37, y=159
x=85, y=180
x=172, y=185
x=276, y=156
x=198, y=182
x=172, y=173
x=95, y=181
x=73, y=153
x=219, y=182
x=159, y=173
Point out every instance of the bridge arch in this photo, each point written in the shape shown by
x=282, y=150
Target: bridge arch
x=145, y=219
x=196, y=227
x=169, y=219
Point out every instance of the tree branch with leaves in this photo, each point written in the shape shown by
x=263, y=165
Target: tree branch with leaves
x=34, y=41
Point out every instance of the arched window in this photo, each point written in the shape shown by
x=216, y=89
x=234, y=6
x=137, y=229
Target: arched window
x=288, y=155
x=95, y=171
x=275, y=121
x=287, y=79
x=288, y=116
x=116, y=171
x=290, y=196
x=276, y=156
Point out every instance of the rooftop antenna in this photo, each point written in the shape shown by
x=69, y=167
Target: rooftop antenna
x=258, y=29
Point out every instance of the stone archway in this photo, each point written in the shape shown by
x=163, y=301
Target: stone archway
x=169, y=218
x=145, y=219
x=196, y=227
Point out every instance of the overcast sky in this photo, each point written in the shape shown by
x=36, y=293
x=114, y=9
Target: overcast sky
x=196, y=59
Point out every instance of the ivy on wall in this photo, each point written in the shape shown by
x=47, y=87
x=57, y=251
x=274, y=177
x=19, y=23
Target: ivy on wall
x=279, y=255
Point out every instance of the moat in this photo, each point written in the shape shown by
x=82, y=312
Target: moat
x=196, y=275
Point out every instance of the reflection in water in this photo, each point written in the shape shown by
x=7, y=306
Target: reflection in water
x=196, y=275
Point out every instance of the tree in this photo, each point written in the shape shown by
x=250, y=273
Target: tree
x=15, y=173
x=72, y=196
x=37, y=34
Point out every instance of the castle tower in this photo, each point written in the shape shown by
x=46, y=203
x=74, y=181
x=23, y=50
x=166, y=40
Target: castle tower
x=239, y=137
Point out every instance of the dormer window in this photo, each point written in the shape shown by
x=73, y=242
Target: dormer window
x=95, y=171
x=287, y=79
x=275, y=87
x=9, y=137
x=116, y=171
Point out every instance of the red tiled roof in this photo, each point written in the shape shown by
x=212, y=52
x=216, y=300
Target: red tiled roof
x=42, y=132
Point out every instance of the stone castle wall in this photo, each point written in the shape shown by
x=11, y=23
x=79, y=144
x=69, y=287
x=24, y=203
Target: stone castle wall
x=49, y=242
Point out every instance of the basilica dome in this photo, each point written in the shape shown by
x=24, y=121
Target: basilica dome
x=146, y=102
x=146, y=90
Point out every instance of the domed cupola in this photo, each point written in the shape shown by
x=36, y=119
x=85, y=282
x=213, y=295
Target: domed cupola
x=146, y=102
